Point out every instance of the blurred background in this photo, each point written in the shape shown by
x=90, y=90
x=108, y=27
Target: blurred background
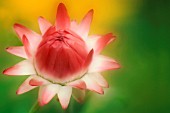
x=142, y=48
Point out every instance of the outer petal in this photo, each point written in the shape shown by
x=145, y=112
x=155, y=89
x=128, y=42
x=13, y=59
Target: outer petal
x=62, y=19
x=92, y=40
x=78, y=84
x=74, y=26
x=27, y=46
x=25, y=87
x=84, y=26
x=92, y=85
x=38, y=81
x=49, y=31
x=44, y=25
x=88, y=60
x=99, y=79
x=98, y=43
x=18, y=51
x=102, y=63
x=64, y=96
x=78, y=95
x=33, y=37
x=24, y=67
x=22, y=30
x=47, y=92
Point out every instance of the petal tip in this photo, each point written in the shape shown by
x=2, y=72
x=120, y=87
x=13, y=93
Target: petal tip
x=64, y=107
x=7, y=48
x=113, y=37
x=16, y=25
x=6, y=71
x=40, y=17
x=62, y=17
x=91, y=11
x=115, y=66
x=107, y=86
x=92, y=51
x=18, y=92
x=88, y=59
x=61, y=5
x=118, y=66
x=41, y=103
x=101, y=92
x=9, y=71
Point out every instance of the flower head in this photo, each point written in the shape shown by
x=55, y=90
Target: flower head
x=62, y=59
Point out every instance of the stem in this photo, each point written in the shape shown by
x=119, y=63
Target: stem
x=35, y=107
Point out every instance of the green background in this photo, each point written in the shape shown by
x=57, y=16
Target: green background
x=140, y=86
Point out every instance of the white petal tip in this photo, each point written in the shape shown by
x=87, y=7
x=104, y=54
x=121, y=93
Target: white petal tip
x=64, y=107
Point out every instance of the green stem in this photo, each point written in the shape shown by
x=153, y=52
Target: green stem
x=35, y=107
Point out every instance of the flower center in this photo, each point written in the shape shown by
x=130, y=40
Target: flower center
x=60, y=56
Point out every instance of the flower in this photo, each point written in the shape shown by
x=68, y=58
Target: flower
x=62, y=59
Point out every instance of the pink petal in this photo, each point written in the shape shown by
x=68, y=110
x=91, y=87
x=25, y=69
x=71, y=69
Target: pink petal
x=18, y=51
x=22, y=68
x=99, y=79
x=49, y=31
x=38, y=81
x=78, y=95
x=102, y=42
x=84, y=26
x=74, y=36
x=33, y=37
x=27, y=46
x=92, y=85
x=88, y=60
x=78, y=84
x=46, y=93
x=62, y=17
x=22, y=30
x=102, y=63
x=64, y=96
x=74, y=26
x=44, y=25
x=25, y=87
x=92, y=40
